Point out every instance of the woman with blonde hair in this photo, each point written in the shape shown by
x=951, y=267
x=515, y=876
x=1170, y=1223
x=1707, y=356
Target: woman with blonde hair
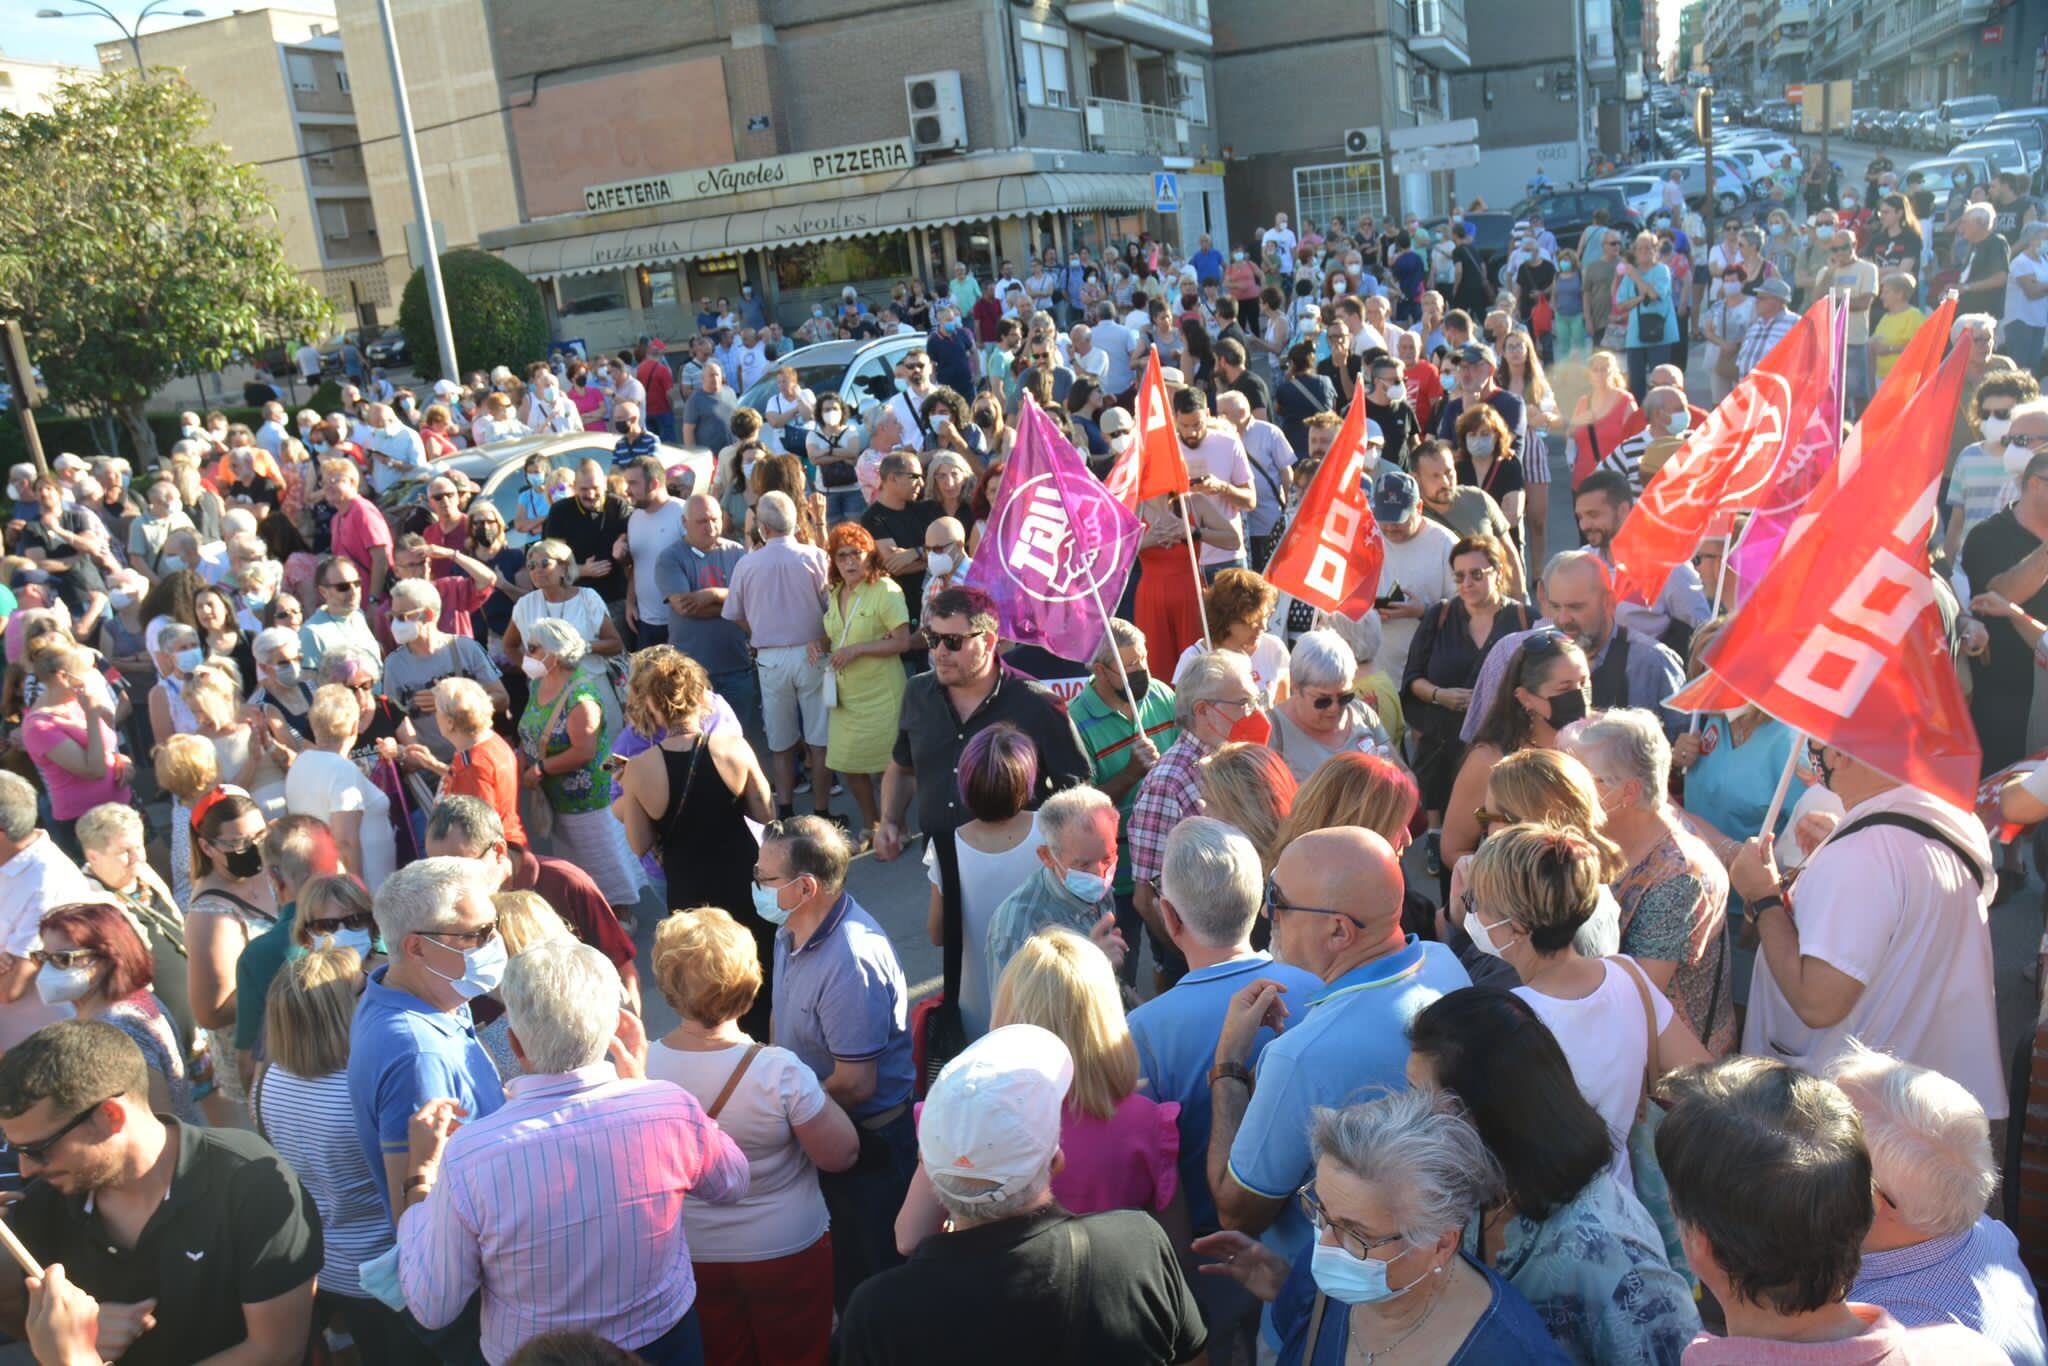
x=764, y=1265
x=187, y=768
x=1365, y=790
x=482, y=764
x=326, y=783
x=1250, y=788
x=1521, y=374
x=301, y=1105
x=334, y=912
x=1552, y=787
x=1603, y=415
x=246, y=753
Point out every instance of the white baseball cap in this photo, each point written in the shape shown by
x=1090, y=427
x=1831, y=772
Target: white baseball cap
x=993, y=1114
x=446, y=388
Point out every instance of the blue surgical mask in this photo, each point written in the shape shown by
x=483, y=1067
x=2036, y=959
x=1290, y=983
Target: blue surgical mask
x=359, y=940
x=767, y=907
x=188, y=660
x=482, y=969
x=1350, y=1279
x=1089, y=887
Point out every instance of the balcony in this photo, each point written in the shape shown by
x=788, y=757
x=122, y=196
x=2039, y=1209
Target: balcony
x=1145, y=129
x=1437, y=33
x=1175, y=25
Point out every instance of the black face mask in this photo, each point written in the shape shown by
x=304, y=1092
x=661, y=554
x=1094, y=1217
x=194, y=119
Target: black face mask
x=244, y=863
x=1141, y=683
x=623, y=428
x=1567, y=707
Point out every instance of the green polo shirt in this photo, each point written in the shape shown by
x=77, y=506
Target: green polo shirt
x=1106, y=735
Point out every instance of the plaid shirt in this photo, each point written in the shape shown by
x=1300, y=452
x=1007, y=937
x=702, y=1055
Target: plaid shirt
x=1763, y=335
x=1170, y=793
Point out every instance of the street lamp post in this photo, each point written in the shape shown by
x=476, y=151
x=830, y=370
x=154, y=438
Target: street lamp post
x=430, y=251
x=132, y=32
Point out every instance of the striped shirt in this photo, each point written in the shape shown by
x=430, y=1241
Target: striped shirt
x=603, y=1252
x=310, y=1123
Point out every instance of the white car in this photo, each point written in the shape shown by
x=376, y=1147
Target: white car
x=1776, y=149
x=2003, y=153
x=1645, y=194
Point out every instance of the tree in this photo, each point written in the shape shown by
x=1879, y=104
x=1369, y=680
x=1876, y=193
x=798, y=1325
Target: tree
x=494, y=311
x=131, y=252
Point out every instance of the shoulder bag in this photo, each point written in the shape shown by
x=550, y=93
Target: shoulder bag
x=732, y=1082
x=536, y=813
x=1647, y=1173
x=831, y=683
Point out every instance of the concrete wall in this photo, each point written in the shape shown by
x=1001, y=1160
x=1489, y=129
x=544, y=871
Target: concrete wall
x=571, y=137
x=28, y=87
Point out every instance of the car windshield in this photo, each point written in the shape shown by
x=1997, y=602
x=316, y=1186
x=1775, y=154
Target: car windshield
x=2027, y=135
x=817, y=376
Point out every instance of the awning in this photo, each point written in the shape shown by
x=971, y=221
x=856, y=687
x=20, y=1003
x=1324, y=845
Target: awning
x=928, y=206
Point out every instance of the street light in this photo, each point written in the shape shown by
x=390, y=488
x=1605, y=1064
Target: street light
x=133, y=33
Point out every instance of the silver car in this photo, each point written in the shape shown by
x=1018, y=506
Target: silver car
x=860, y=372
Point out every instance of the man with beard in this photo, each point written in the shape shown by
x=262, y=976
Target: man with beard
x=1602, y=504
x=1218, y=469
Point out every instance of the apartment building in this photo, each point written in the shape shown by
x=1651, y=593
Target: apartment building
x=26, y=86
x=279, y=83
x=1548, y=86
x=1913, y=54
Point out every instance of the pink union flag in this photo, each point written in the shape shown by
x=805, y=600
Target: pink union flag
x=1059, y=547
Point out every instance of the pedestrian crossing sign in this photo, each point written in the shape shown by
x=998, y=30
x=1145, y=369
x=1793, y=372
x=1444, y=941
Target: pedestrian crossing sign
x=1165, y=192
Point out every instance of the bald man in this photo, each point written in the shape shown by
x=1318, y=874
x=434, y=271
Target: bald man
x=692, y=575
x=945, y=557
x=1666, y=421
x=1349, y=1041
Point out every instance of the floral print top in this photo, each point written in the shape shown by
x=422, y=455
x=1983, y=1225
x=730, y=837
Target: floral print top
x=1674, y=904
x=583, y=789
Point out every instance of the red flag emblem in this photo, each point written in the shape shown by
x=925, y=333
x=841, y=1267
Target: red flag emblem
x=1332, y=553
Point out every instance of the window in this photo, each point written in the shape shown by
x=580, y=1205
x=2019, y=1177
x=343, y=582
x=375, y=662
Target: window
x=341, y=75
x=1347, y=190
x=1042, y=58
x=305, y=76
x=333, y=221
x=1194, y=99
x=581, y=295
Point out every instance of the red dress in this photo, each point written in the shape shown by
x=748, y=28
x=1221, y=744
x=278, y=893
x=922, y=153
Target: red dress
x=1168, y=607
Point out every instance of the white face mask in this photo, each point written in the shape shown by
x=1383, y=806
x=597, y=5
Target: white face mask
x=939, y=562
x=1994, y=429
x=533, y=668
x=1482, y=935
x=405, y=631
x=57, y=985
x=2017, y=458
x=1480, y=446
x=359, y=940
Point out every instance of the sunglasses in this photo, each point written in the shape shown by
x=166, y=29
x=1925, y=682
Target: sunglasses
x=476, y=938
x=39, y=1151
x=1487, y=818
x=1275, y=901
x=1339, y=700
x=950, y=640
x=361, y=920
x=1548, y=641
x=63, y=958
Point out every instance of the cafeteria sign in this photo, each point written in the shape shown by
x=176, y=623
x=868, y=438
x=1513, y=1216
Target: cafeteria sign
x=767, y=173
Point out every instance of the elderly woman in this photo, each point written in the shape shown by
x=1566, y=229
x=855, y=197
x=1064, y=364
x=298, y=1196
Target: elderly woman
x=1530, y=890
x=1323, y=715
x=1397, y=1180
x=995, y=853
x=1565, y=1232
x=1643, y=297
x=382, y=730
x=1546, y=687
x=89, y=957
x=426, y=654
x=245, y=752
x=565, y=737
x=1251, y=789
x=764, y=1265
x=1238, y=605
x=69, y=734
x=555, y=597
x=301, y=1105
x=283, y=693
x=950, y=481
x=867, y=630
x=481, y=764
x=117, y=862
x=1674, y=896
x=326, y=783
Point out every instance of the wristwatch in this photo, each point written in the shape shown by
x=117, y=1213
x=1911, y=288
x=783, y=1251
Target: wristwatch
x=1234, y=1071
x=1751, y=910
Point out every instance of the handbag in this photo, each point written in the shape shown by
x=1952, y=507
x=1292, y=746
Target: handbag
x=831, y=684
x=536, y=812
x=1650, y=327
x=732, y=1082
x=937, y=1033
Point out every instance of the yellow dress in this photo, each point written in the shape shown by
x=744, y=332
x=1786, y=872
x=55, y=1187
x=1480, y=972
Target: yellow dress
x=862, y=728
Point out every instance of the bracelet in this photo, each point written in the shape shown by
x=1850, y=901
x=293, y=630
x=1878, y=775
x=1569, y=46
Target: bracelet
x=1752, y=910
x=1231, y=1071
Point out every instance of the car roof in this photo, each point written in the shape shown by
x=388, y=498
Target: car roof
x=1974, y=163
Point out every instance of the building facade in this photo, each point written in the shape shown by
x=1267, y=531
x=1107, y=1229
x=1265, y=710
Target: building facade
x=282, y=99
x=676, y=153
x=1547, y=89
x=1913, y=54
x=27, y=87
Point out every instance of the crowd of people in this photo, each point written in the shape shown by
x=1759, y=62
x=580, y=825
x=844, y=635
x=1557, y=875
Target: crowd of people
x=1305, y=974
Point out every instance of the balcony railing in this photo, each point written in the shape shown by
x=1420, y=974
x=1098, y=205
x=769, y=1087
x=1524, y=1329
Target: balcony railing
x=1118, y=126
x=1177, y=25
x=1437, y=34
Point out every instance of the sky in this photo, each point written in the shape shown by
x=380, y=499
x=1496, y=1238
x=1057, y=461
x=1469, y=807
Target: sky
x=75, y=41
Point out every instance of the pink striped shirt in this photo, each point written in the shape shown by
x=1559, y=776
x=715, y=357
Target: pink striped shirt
x=565, y=1207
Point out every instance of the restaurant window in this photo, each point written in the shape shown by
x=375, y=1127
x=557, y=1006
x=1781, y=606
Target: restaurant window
x=583, y=294
x=1345, y=189
x=975, y=243
x=821, y=265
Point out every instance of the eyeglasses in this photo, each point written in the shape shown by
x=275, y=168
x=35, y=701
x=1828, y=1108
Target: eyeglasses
x=476, y=938
x=345, y=586
x=63, y=958
x=360, y=920
x=1489, y=818
x=951, y=640
x=230, y=846
x=1276, y=901
x=449, y=496
x=39, y=1151
x=1480, y=575
x=1318, y=1216
x=1329, y=700
x=2031, y=441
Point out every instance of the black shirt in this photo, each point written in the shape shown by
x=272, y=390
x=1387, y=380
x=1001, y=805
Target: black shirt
x=235, y=1228
x=2006, y=674
x=906, y=528
x=1297, y=399
x=1399, y=425
x=590, y=536
x=1011, y=1292
x=1252, y=387
x=83, y=577
x=932, y=735
x=1988, y=259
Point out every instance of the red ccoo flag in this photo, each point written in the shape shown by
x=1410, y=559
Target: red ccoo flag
x=1842, y=639
x=1728, y=462
x=1332, y=553
x=1152, y=464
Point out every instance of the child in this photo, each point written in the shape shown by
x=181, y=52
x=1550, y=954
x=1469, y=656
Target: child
x=1900, y=321
x=188, y=769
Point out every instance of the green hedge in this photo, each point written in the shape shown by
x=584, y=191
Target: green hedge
x=495, y=313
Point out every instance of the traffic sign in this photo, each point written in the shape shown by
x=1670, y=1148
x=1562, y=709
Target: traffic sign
x=1433, y=135
x=1165, y=192
x=1423, y=159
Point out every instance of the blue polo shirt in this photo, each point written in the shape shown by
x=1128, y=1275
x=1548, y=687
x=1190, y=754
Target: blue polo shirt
x=1176, y=1034
x=403, y=1053
x=1350, y=1045
x=841, y=996
x=631, y=448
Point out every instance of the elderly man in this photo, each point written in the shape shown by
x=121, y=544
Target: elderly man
x=339, y=621
x=1932, y=1254
x=640, y=1150
x=394, y=448
x=946, y=560
x=35, y=875
x=1476, y=364
x=1666, y=419
x=1010, y=1270
x=412, y=1040
x=1120, y=344
x=966, y=691
x=1335, y=900
x=359, y=532
x=1783, y=1268
x=199, y=1244
x=1466, y=510
x=840, y=1004
x=1215, y=701
x=1077, y=853
x=1987, y=258
x=695, y=576
x=1272, y=464
x=898, y=519
x=1417, y=573
x=148, y=533
x=777, y=596
x=592, y=523
x=1774, y=319
x=1603, y=502
x=634, y=438
x=707, y=417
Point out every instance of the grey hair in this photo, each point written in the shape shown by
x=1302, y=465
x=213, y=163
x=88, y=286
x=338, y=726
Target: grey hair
x=1981, y=214
x=17, y=807
x=423, y=894
x=1625, y=743
x=471, y=822
x=1065, y=810
x=556, y=550
x=1423, y=1156
x=560, y=639
x=1929, y=1140
x=176, y=635
x=1574, y=559
x=410, y=595
x=270, y=639
x=562, y=1003
x=816, y=848
x=235, y=521
x=1203, y=680
x=334, y=664
x=1972, y=322
x=1212, y=875
x=776, y=512
x=1321, y=659
x=1364, y=635
x=960, y=1196
x=107, y=820
x=1122, y=636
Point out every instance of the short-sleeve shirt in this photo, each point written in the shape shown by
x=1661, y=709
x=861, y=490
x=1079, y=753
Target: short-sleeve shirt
x=931, y=736
x=71, y=796
x=711, y=416
x=1107, y=735
x=404, y=1053
x=840, y=996
x=1895, y=329
x=905, y=527
x=1221, y=454
x=358, y=529
x=235, y=1228
x=719, y=645
x=592, y=536
x=407, y=675
x=778, y=592
x=650, y=534
x=1985, y=260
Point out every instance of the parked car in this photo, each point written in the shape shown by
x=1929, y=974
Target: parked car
x=1940, y=171
x=330, y=350
x=496, y=470
x=859, y=372
x=1491, y=230
x=1960, y=118
x=1925, y=130
x=1731, y=188
x=389, y=349
x=1644, y=195
x=1568, y=213
x=2003, y=154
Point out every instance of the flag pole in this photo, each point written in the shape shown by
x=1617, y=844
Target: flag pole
x=1784, y=785
x=1187, y=521
x=1116, y=653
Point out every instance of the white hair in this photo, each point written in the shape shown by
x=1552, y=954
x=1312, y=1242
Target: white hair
x=17, y=807
x=1627, y=743
x=1423, y=1157
x=1122, y=636
x=776, y=513
x=1212, y=875
x=270, y=640
x=963, y=1196
x=562, y=1003
x=1066, y=810
x=1983, y=215
x=1972, y=322
x=2033, y=407
x=1203, y=680
x=97, y=827
x=236, y=522
x=423, y=894
x=1576, y=559
x=1929, y=1141
x=410, y=595
x=1321, y=659
x=554, y=636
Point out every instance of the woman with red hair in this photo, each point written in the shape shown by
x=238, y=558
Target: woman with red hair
x=90, y=958
x=867, y=629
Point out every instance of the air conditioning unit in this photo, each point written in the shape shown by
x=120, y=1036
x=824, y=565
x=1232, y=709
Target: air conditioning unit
x=1361, y=142
x=1176, y=86
x=938, y=116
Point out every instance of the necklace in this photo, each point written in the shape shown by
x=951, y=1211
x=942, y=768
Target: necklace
x=1373, y=1354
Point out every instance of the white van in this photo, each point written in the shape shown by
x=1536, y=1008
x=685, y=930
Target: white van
x=1960, y=118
